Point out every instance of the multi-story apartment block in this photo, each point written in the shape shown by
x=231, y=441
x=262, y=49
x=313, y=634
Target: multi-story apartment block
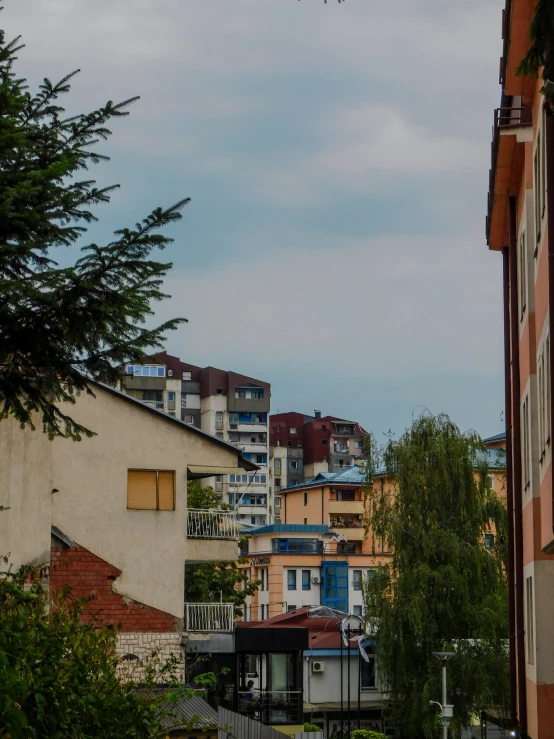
x=301, y=446
x=231, y=407
x=520, y=227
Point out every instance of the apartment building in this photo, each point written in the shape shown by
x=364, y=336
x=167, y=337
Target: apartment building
x=301, y=446
x=108, y=515
x=520, y=214
x=230, y=406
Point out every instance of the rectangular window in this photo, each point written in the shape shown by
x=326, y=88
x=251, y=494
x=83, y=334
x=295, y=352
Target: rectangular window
x=306, y=579
x=357, y=611
x=291, y=608
x=489, y=541
x=262, y=612
x=293, y=431
x=490, y=482
x=357, y=579
x=324, y=442
x=263, y=479
x=522, y=274
x=293, y=465
x=187, y=375
x=525, y=443
x=189, y=419
x=278, y=482
x=305, y=522
x=305, y=498
x=367, y=678
x=151, y=490
x=291, y=579
x=219, y=415
x=171, y=397
x=219, y=435
x=262, y=577
x=277, y=464
x=530, y=614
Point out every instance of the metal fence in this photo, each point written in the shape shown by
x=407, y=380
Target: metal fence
x=233, y=726
x=208, y=617
x=203, y=524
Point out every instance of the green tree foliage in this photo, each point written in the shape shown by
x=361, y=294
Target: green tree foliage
x=57, y=323
x=213, y=582
x=442, y=587
x=367, y=734
x=541, y=51
x=311, y=728
x=59, y=678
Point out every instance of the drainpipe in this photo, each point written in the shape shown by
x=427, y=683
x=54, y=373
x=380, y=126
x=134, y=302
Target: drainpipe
x=509, y=490
x=516, y=466
x=549, y=126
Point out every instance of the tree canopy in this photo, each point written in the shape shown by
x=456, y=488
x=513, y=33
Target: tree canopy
x=59, y=324
x=212, y=582
x=442, y=588
x=541, y=51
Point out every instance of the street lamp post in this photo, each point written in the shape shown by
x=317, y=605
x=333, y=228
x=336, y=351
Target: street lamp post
x=446, y=709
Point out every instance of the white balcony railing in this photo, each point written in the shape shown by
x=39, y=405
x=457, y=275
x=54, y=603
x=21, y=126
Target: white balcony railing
x=203, y=524
x=206, y=617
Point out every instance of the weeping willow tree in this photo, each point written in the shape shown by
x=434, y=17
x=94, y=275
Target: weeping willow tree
x=442, y=588
x=541, y=51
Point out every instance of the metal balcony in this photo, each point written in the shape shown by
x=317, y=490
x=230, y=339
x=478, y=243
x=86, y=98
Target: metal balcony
x=208, y=617
x=202, y=524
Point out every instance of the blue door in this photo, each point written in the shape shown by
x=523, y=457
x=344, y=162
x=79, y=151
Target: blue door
x=334, y=588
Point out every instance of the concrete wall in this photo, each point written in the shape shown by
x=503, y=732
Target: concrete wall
x=325, y=687
x=26, y=496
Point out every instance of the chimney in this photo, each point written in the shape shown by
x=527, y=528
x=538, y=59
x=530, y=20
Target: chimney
x=317, y=414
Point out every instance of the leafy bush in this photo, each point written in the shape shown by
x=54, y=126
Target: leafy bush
x=60, y=678
x=311, y=727
x=366, y=734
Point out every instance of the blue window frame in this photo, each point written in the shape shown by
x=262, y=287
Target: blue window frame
x=357, y=611
x=334, y=590
x=171, y=397
x=306, y=579
x=291, y=579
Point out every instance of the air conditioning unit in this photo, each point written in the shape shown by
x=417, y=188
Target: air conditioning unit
x=316, y=580
x=318, y=667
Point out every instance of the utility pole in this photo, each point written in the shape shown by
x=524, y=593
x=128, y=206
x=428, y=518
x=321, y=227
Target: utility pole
x=446, y=709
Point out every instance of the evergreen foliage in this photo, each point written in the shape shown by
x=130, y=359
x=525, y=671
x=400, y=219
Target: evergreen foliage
x=212, y=582
x=59, y=678
x=57, y=323
x=541, y=51
x=442, y=587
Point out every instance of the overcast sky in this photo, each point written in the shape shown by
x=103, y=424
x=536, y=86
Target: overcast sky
x=337, y=158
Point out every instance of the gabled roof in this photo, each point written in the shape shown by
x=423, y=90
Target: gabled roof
x=348, y=476
x=498, y=437
x=186, y=427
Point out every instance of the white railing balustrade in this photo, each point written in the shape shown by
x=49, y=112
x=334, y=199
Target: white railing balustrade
x=206, y=617
x=202, y=524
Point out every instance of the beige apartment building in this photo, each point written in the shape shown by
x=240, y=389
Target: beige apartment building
x=108, y=515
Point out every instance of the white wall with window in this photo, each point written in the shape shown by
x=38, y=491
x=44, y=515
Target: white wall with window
x=301, y=586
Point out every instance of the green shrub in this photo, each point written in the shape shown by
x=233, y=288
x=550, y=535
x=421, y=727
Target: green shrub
x=366, y=734
x=311, y=727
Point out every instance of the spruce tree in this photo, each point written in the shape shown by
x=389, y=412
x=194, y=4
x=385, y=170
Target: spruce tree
x=59, y=324
x=442, y=589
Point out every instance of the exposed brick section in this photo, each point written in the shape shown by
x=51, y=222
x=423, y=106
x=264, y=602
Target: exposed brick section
x=91, y=577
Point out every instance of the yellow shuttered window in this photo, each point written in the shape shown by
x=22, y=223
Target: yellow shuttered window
x=151, y=490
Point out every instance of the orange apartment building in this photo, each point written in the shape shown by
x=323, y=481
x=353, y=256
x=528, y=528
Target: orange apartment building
x=320, y=553
x=520, y=207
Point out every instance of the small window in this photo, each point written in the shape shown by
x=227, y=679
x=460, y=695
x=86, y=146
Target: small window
x=293, y=431
x=278, y=442
x=219, y=436
x=171, y=397
x=187, y=375
x=324, y=442
x=306, y=579
x=299, y=445
x=305, y=498
x=161, y=371
x=277, y=464
x=291, y=608
x=277, y=429
x=367, y=677
x=490, y=482
x=219, y=478
x=357, y=611
x=357, y=579
x=293, y=465
x=170, y=373
x=489, y=541
x=219, y=415
x=151, y=490
x=145, y=371
x=291, y=579
x=189, y=419
x=278, y=482
x=260, y=459
x=263, y=479
x=129, y=370
x=253, y=520
x=172, y=414
x=218, y=391
x=305, y=522
x=262, y=612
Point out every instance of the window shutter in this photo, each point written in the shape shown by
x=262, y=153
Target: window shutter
x=141, y=490
x=166, y=491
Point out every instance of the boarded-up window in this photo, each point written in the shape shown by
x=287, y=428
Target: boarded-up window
x=151, y=490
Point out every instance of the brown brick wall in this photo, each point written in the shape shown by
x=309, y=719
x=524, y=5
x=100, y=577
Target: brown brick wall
x=91, y=577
